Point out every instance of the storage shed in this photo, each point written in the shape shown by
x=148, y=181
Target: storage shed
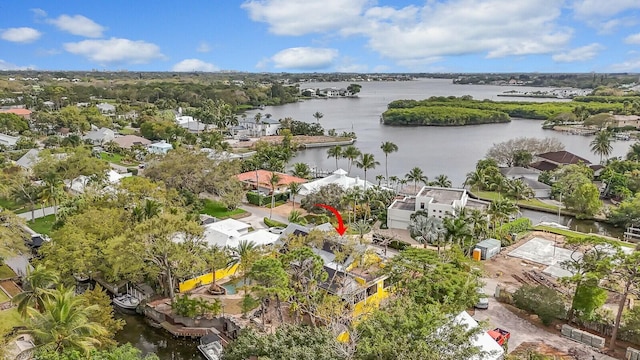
x=488, y=248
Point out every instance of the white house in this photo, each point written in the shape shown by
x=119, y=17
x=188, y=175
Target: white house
x=160, y=148
x=106, y=108
x=79, y=184
x=8, y=140
x=100, y=136
x=436, y=201
x=338, y=177
x=229, y=233
x=29, y=159
x=483, y=340
x=265, y=127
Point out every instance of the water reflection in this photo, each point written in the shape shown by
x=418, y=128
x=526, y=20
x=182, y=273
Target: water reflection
x=147, y=339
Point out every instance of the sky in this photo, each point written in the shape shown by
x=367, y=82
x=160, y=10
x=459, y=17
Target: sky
x=322, y=35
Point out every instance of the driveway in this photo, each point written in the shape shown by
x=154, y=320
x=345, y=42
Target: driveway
x=497, y=315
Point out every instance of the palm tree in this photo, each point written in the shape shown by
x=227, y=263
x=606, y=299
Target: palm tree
x=39, y=282
x=301, y=170
x=294, y=189
x=500, y=210
x=274, y=179
x=318, y=115
x=246, y=253
x=217, y=258
x=477, y=179
x=366, y=162
x=442, y=181
x=479, y=223
x=394, y=180
x=52, y=191
x=350, y=153
x=601, y=144
x=64, y=323
x=519, y=190
x=335, y=152
x=379, y=179
x=416, y=175
x=295, y=216
x=634, y=152
x=457, y=230
x=387, y=148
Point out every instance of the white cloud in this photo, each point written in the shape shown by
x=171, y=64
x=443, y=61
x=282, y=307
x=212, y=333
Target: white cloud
x=204, y=47
x=588, y=9
x=299, y=17
x=630, y=65
x=4, y=65
x=115, y=50
x=188, y=65
x=497, y=28
x=39, y=13
x=21, y=35
x=633, y=39
x=78, y=25
x=582, y=53
x=304, y=58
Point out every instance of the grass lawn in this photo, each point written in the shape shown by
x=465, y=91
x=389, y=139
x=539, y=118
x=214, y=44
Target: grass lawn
x=218, y=210
x=9, y=204
x=6, y=272
x=42, y=225
x=576, y=234
x=116, y=159
x=492, y=195
x=8, y=319
x=127, y=131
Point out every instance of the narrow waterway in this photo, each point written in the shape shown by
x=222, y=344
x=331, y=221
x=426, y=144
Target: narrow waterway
x=148, y=339
x=585, y=226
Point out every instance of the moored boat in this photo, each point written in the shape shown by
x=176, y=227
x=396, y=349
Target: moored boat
x=126, y=301
x=210, y=347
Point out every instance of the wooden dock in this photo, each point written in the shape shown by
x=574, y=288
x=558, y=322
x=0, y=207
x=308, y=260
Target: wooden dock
x=632, y=235
x=183, y=331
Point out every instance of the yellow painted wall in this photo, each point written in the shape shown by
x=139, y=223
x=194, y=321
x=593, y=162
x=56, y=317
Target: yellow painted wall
x=371, y=303
x=207, y=278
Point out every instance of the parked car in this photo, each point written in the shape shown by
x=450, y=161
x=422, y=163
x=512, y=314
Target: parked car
x=276, y=230
x=483, y=301
x=501, y=336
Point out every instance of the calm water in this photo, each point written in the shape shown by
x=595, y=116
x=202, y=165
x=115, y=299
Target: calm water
x=453, y=151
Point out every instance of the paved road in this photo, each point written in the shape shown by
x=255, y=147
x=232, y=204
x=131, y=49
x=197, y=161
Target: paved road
x=524, y=331
x=37, y=213
x=262, y=213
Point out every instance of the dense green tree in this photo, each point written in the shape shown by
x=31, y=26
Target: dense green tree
x=122, y=352
x=627, y=213
x=299, y=342
x=541, y=300
x=626, y=277
x=272, y=282
x=577, y=191
x=519, y=151
x=12, y=124
x=331, y=195
x=301, y=170
x=103, y=315
x=406, y=330
x=500, y=210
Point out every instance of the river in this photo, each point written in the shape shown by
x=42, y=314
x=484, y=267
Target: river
x=453, y=151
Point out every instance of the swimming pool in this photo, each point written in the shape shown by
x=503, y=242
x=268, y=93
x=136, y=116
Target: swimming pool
x=233, y=285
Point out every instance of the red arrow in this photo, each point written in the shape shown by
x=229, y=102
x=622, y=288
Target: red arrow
x=341, y=228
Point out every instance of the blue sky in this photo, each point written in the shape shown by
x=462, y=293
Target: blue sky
x=322, y=35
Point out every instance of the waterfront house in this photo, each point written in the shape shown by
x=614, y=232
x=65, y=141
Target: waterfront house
x=530, y=178
x=435, y=201
x=265, y=127
x=160, y=148
x=338, y=177
x=552, y=160
x=259, y=180
x=620, y=121
x=8, y=141
x=100, y=136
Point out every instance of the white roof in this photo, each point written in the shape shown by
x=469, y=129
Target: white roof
x=338, y=177
x=260, y=237
x=162, y=145
x=483, y=340
x=229, y=233
x=8, y=139
x=114, y=177
x=29, y=159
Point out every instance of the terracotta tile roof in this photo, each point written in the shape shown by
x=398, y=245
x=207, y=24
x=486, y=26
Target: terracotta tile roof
x=563, y=157
x=21, y=112
x=128, y=141
x=264, y=176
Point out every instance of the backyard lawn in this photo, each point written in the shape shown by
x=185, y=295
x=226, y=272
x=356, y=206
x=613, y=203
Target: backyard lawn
x=9, y=204
x=8, y=319
x=492, y=195
x=42, y=225
x=218, y=210
x=6, y=272
x=575, y=234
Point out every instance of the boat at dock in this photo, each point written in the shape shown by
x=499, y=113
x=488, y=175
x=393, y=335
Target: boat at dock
x=211, y=347
x=126, y=301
